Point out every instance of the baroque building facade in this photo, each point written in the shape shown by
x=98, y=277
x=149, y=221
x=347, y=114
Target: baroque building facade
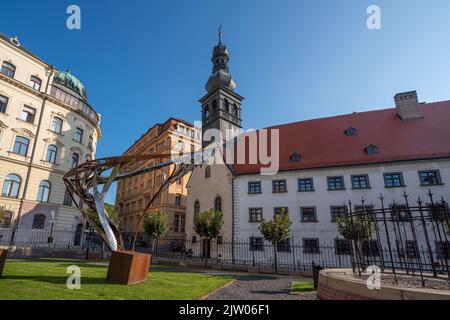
x=47, y=127
x=174, y=137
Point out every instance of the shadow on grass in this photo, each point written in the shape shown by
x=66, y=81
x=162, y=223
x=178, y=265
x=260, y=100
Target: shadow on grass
x=55, y=279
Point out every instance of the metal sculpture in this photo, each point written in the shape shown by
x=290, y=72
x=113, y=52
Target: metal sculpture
x=84, y=181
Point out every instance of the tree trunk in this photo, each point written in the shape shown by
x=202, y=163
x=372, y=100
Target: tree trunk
x=275, y=258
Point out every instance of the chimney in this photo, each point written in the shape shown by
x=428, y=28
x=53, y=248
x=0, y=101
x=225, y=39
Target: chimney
x=407, y=105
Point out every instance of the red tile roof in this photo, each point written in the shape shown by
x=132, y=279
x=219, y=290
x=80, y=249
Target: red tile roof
x=323, y=142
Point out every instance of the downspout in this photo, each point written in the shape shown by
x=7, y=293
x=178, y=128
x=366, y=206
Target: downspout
x=233, y=212
x=30, y=164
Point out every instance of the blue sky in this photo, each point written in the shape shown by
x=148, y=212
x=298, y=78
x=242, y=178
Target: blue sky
x=144, y=61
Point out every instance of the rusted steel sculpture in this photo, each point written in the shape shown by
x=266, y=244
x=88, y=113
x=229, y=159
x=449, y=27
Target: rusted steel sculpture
x=84, y=181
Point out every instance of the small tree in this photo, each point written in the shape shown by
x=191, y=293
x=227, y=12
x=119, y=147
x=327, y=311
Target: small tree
x=155, y=226
x=276, y=231
x=356, y=229
x=207, y=225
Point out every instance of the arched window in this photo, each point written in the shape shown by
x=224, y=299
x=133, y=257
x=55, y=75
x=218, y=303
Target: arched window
x=207, y=172
x=35, y=83
x=57, y=125
x=44, y=191
x=11, y=186
x=207, y=112
x=21, y=145
x=214, y=106
x=8, y=69
x=52, y=151
x=75, y=160
x=226, y=105
x=6, y=222
x=38, y=221
x=235, y=109
x=218, y=204
x=196, y=207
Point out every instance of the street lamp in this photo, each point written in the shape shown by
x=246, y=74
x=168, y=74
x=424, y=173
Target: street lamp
x=52, y=221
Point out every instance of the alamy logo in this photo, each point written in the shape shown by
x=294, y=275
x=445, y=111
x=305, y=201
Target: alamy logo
x=374, y=19
x=73, y=22
x=74, y=280
x=374, y=280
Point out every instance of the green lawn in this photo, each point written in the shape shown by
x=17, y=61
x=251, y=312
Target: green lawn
x=46, y=279
x=300, y=286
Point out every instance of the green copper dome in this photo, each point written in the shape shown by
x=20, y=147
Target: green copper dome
x=68, y=80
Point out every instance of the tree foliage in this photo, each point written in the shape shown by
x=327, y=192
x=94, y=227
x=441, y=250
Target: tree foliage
x=110, y=210
x=207, y=224
x=156, y=225
x=278, y=229
x=356, y=228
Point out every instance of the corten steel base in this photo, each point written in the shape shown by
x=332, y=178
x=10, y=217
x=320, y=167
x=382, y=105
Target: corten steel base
x=3, y=254
x=128, y=268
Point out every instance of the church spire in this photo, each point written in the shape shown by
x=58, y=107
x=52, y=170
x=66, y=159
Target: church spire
x=220, y=72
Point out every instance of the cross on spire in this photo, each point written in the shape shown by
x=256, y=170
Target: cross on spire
x=220, y=34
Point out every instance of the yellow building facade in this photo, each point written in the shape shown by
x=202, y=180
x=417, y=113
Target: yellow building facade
x=46, y=127
x=174, y=137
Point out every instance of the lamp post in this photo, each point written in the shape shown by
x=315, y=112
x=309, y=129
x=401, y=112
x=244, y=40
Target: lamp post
x=52, y=221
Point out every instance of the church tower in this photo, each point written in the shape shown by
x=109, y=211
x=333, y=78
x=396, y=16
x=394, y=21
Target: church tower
x=221, y=106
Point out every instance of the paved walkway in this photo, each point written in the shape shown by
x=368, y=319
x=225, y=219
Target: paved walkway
x=260, y=287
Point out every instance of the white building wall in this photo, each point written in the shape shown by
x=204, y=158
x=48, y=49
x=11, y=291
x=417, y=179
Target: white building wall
x=323, y=199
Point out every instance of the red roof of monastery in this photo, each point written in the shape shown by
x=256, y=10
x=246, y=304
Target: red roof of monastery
x=323, y=142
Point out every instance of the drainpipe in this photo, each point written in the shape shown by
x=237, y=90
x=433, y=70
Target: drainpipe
x=232, y=220
x=33, y=152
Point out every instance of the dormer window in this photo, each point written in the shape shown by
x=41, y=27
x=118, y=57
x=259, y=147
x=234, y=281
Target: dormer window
x=372, y=149
x=350, y=132
x=295, y=157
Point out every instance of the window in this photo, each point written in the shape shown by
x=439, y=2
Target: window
x=35, y=83
x=38, y=221
x=350, y=132
x=254, y=187
x=284, y=246
x=43, y=191
x=305, y=185
x=176, y=222
x=255, y=214
x=207, y=172
x=371, y=149
x=11, y=186
x=7, y=216
x=365, y=211
x=280, y=210
x=67, y=198
x=226, y=105
x=370, y=248
x=399, y=212
x=52, y=151
x=279, y=186
x=393, y=180
x=443, y=249
x=21, y=145
x=207, y=112
x=411, y=249
x=360, y=181
x=295, y=157
x=335, y=183
x=3, y=104
x=338, y=212
x=343, y=247
x=75, y=160
x=256, y=244
x=311, y=246
x=308, y=214
x=235, y=110
x=57, y=125
x=219, y=240
x=78, y=135
x=8, y=69
x=218, y=204
x=196, y=207
x=178, y=200
x=438, y=212
x=27, y=114
x=430, y=178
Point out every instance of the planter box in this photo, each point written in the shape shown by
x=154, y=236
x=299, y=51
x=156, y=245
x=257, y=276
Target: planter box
x=3, y=254
x=128, y=268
